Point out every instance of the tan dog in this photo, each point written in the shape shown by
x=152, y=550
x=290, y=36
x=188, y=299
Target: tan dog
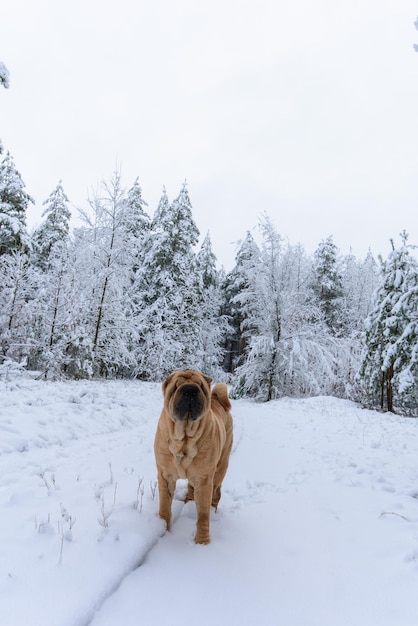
x=193, y=441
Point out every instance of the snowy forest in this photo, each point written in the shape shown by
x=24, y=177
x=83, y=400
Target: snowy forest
x=126, y=294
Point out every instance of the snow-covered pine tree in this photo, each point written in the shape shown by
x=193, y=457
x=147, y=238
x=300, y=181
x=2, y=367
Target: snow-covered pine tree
x=137, y=221
x=237, y=301
x=389, y=368
x=55, y=228
x=168, y=320
x=327, y=284
x=136, y=228
x=14, y=202
x=406, y=349
x=213, y=324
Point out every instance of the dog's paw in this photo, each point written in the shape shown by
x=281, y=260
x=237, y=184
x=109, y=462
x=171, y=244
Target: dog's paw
x=202, y=539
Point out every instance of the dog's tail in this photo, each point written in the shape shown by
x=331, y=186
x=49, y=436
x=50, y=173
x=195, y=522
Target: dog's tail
x=220, y=393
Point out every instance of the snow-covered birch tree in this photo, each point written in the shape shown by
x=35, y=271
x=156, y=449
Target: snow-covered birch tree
x=17, y=288
x=102, y=247
x=290, y=349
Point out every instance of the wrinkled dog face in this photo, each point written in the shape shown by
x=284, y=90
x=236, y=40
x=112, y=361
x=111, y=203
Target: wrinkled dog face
x=187, y=395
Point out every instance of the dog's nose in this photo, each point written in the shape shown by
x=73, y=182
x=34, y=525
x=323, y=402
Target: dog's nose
x=190, y=391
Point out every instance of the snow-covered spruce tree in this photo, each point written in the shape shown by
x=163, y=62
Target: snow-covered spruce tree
x=213, y=324
x=103, y=245
x=17, y=288
x=168, y=281
x=327, y=284
x=237, y=299
x=14, y=202
x=389, y=368
x=136, y=219
x=55, y=227
x=136, y=227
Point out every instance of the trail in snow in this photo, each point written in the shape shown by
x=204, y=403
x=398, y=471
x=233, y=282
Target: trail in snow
x=305, y=534
x=318, y=522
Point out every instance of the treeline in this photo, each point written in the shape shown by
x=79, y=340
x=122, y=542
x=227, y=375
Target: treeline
x=130, y=295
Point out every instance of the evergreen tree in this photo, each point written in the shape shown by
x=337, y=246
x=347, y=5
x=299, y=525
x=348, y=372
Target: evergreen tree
x=55, y=228
x=389, y=368
x=136, y=229
x=213, y=324
x=237, y=300
x=327, y=284
x=14, y=202
x=137, y=220
x=168, y=319
x=206, y=264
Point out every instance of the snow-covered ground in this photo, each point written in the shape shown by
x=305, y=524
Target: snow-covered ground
x=318, y=523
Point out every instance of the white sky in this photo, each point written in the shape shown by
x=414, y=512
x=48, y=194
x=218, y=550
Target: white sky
x=304, y=109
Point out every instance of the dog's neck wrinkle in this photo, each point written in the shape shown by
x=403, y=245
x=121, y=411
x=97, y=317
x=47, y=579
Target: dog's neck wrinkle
x=185, y=429
x=182, y=446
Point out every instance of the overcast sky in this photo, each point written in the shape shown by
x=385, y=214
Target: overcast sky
x=304, y=109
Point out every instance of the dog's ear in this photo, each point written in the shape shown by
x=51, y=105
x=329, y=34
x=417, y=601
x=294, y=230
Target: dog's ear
x=208, y=379
x=166, y=381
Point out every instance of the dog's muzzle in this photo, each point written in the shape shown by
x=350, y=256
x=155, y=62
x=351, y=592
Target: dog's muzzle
x=188, y=403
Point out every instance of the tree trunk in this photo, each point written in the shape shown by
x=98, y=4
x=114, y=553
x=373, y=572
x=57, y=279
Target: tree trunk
x=387, y=390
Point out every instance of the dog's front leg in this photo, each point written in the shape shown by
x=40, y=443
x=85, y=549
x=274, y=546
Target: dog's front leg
x=203, y=497
x=166, y=488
